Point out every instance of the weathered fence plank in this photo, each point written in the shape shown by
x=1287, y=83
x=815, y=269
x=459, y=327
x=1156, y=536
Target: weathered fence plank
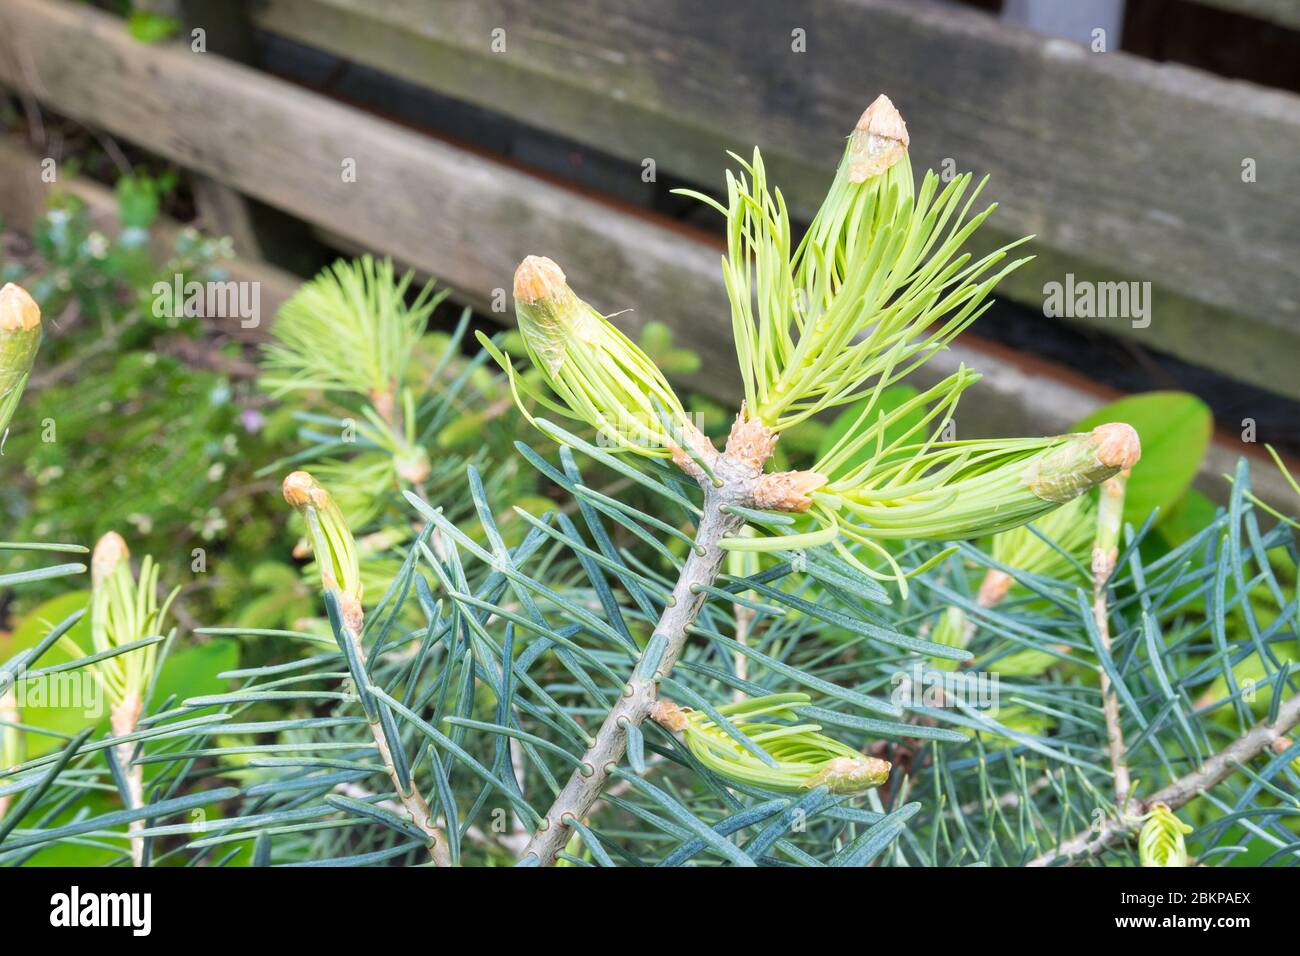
x=1124, y=169
x=1016, y=397
x=446, y=211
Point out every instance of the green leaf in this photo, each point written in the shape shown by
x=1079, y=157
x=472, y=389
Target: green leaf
x=192, y=672
x=1193, y=512
x=151, y=27
x=657, y=342
x=1175, y=430
x=60, y=721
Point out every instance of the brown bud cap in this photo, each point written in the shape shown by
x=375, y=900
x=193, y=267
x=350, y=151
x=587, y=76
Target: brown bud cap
x=994, y=587
x=1118, y=445
x=299, y=489
x=18, y=310
x=668, y=715
x=551, y=317
x=353, y=612
x=538, y=279
x=110, y=551
x=850, y=774
x=787, y=490
x=331, y=542
x=878, y=141
x=750, y=441
x=882, y=118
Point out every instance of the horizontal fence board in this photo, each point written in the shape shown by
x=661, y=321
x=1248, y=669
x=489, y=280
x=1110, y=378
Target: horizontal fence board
x=1014, y=398
x=1124, y=169
x=445, y=211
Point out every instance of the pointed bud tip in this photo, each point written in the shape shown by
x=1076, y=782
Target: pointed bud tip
x=538, y=278
x=878, y=142
x=1118, y=445
x=882, y=119
x=110, y=549
x=110, y=552
x=297, y=488
x=18, y=310
x=850, y=774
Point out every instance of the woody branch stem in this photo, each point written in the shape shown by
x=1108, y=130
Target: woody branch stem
x=738, y=469
x=1110, y=512
x=1261, y=737
x=412, y=799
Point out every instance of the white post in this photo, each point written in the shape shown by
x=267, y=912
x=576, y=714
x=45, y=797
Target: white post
x=1073, y=19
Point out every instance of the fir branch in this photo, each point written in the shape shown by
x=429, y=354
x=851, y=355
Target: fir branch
x=407, y=791
x=1260, y=738
x=738, y=470
x=1110, y=513
x=335, y=555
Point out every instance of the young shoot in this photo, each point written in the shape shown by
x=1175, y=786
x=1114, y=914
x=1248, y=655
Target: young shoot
x=1160, y=841
x=599, y=375
x=336, y=559
x=954, y=490
x=876, y=286
x=124, y=610
x=20, y=337
x=331, y=543
x=357, y=310
x=799, y=758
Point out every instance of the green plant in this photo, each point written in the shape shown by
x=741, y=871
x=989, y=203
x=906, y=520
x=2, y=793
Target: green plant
x=1161, y=841
x=783, y=756
x=497, y=633
x=870, y=284
x=331, y=542
x=125, y=628
x=20, y=337
x=171, y=446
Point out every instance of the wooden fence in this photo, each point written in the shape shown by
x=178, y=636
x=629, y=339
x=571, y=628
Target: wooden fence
x=1124, y=169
